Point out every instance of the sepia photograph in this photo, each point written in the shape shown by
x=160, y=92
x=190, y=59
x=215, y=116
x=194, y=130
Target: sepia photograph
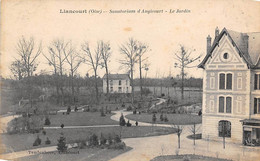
x=139, y=80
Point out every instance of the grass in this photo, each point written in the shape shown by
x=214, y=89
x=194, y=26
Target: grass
x=18, y=142
x=177, y=119
x=81, y=119
x=90, y=154
x=187, y=157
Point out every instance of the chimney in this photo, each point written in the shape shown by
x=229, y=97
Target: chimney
x=246, y=42
x=216, y=32
x=208, y=44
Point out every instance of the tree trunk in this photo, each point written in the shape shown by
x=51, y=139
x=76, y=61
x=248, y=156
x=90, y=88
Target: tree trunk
x=107, y=81
x=132, y=83
x=179, y=142
x=96, y=87
x=72, y=87
x=141, y=83
x=182, y=82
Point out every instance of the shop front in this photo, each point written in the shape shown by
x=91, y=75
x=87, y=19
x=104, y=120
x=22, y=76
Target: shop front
x=251, y=132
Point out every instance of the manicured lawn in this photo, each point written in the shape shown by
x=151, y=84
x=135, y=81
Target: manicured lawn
x=187, y=157
x=89, y=154
x=19, y=142
x=177, y=119
x=81, y=118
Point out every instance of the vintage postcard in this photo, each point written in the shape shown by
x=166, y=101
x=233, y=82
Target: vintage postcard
x=139, y=80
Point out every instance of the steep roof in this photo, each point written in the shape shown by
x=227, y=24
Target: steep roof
x=250, y=53
x=116, y=76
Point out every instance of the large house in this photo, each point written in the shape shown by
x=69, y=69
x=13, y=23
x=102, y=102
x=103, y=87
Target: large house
x=118, y=83
x=231, y=87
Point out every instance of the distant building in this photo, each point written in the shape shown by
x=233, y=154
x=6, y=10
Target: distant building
x=118, y=83
x=231, y=87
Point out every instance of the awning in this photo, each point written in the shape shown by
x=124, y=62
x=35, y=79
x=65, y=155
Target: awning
x=250, y=121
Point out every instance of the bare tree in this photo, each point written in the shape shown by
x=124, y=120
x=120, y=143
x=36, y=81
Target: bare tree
x=53, y=61
x=59, y=51
x=184, y=60
x=74, y=60
x=130, y=51
x=28, y=53
x=106, y=54
x=194, y=130
x=179, y=130
x=94, y=61
x=142, y=50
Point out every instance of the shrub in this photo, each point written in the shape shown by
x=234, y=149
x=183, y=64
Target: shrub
x=161, y=117
x=122, y=120
x=102, y=112
x=93, y=140
x=128, y=124
x=82, y=143
x=110, y=141
x=166, y=118
x=61, y=146
x=117, y=139
x=154, y=118
x=103, y=140
x=129, y=108
x=37, y=141
x=47, y=141
x=120, y=145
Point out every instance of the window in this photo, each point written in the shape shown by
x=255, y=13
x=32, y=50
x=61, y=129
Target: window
x=225, y=56
x=225, y=104
x=225, y=81
x=224, y=128
x=257, y=82
x=119, y=89
x=111, y=82
x=212, y=82
x=111, y=89
x=126, y=89
x=256, y=105
x=126, y=82
x=119, y=82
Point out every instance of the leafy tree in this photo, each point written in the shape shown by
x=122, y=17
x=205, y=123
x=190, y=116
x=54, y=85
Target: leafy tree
x=122, y=120
x=154, y=118
x=61, y=146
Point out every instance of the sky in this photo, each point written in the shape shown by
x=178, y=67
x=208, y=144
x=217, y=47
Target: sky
x=162, y=32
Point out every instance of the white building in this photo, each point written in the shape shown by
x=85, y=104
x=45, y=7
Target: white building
x=231, y=87
x=118, y=83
